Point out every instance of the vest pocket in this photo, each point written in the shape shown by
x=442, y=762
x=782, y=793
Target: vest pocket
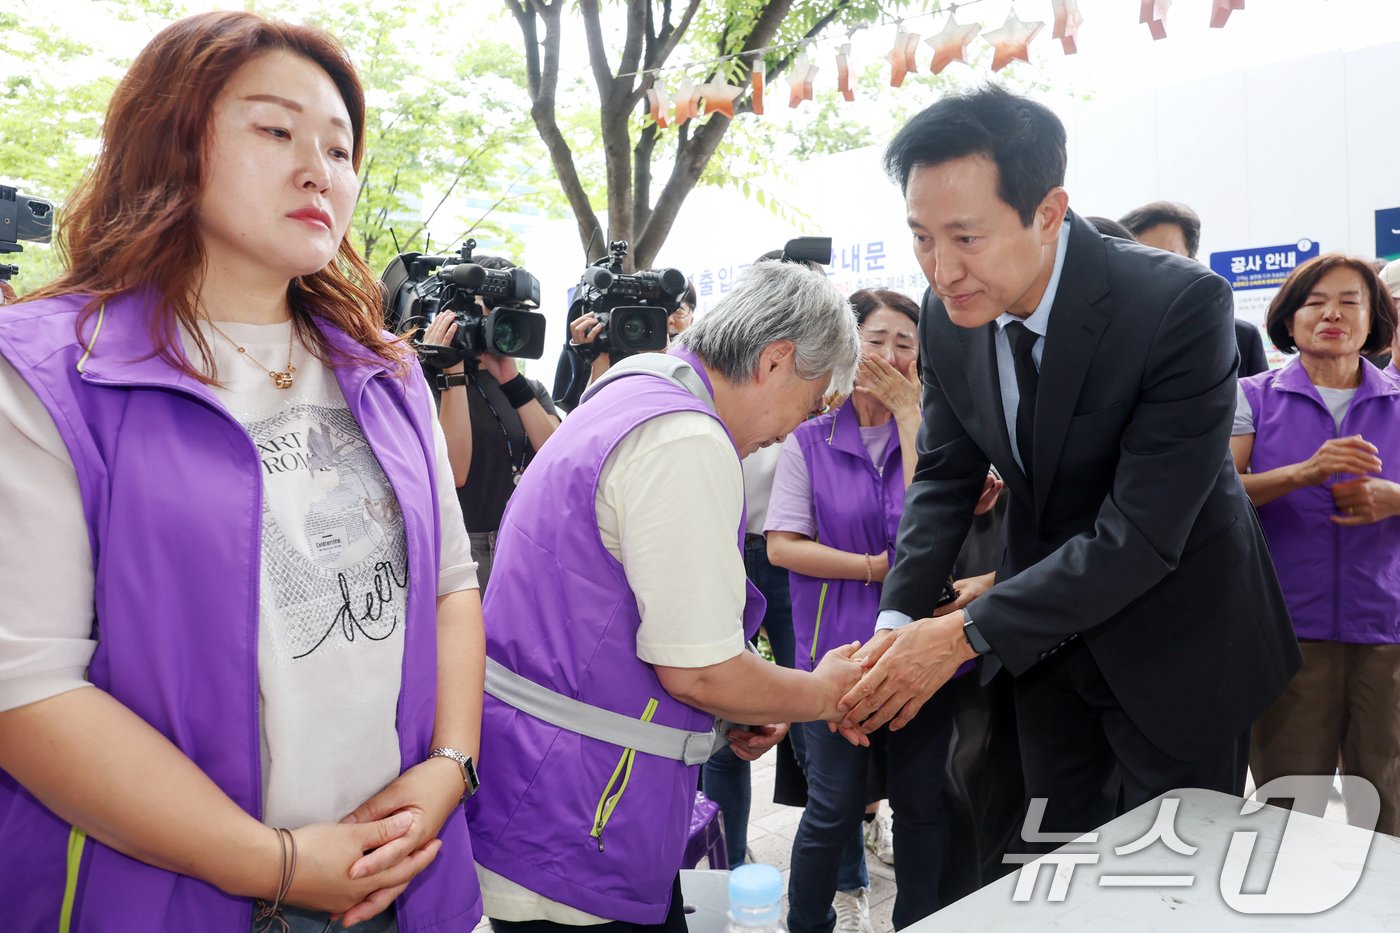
x=621, y=774
x=77, y=840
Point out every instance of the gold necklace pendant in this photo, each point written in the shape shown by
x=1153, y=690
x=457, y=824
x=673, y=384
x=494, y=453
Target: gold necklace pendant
x=282, y=380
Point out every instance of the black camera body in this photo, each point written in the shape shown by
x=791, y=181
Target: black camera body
x=418, y=287
x=22, y=217
x=632, y=308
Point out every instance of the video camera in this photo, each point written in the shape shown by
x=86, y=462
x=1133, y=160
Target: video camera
x=808, y=250
x=417, y=288
x=632, y=308
x=22, y=217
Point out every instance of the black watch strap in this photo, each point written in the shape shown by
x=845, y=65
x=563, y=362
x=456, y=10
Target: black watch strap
x=974, y=637
x=445, y=381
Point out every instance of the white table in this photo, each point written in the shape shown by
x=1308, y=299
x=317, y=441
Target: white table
x=1322, y=857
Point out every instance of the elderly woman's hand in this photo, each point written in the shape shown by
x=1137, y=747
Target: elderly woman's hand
x=752, y=743
x=1352, y=454
x=1365, y=500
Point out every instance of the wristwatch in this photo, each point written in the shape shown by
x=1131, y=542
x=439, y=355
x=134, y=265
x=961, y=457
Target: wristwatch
x=974, y=637
x=465, y=763
x=446, y=381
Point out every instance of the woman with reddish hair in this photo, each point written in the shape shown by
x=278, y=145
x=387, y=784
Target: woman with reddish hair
x=242, y=657
x=1317, y=444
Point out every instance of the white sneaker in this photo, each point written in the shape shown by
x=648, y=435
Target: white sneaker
x=879, y=837
x=852, y=912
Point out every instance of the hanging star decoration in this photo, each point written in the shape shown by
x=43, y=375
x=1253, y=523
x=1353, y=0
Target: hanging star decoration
x=1221, y=10
x=800, y=81
x=902, y=57
x=658, y=104
x=1154, y=14
x=686, y=102
x=756, y=82
x=1012, y=40
x=1067, y=23
x=951, y=44
x=843, y=72
x=719, y=96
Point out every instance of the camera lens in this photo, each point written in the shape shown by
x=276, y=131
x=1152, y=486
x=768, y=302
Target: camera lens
x=509, y=338
x=635, y=331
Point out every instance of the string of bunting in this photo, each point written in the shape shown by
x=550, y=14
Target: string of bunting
x=1010, y=43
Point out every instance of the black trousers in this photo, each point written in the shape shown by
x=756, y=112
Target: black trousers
x=674, y=922
x=1074, y=734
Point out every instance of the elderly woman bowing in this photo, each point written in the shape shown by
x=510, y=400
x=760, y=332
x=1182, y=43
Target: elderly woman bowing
x=607, y=669
x=1318, y=446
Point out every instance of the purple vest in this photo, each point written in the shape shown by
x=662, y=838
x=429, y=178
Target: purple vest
x=857, y=507
x=172, y=493
x=581, y=821
x=1340, y=583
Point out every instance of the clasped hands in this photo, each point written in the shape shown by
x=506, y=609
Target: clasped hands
x=904, y=667
x=357, y=867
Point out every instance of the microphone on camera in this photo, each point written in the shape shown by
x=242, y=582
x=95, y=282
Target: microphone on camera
x=466, y=275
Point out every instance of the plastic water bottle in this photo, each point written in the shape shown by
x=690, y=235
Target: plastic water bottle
x=755, y=900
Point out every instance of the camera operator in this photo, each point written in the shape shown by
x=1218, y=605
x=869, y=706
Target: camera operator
x=494, y=419
x=585, y=330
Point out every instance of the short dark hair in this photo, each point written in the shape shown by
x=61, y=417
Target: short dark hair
x=1112, y=228
x=1024, y=139
x=1300, y=284
x=493, y=262
x=1166, y=212
x=868, y=300
x=690, y=299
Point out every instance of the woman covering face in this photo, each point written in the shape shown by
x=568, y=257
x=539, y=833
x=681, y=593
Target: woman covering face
x=832, y=520
x=1317, y=444
x=258, y=607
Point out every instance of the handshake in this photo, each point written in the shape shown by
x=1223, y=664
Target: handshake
x=891, y=677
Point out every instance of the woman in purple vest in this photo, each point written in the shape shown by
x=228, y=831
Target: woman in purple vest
x=242, y=648
x=832, y=520
x=1317, y=444
x=608, y=665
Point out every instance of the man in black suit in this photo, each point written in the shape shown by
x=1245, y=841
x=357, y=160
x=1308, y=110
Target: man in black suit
x=1135, y=604
x=1176, y=228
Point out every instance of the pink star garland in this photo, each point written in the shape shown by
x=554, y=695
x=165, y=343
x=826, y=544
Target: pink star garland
x=1221, y=10
x=951, y=44
x=1012, y=40
x=1154, y=14
x=1067, y=23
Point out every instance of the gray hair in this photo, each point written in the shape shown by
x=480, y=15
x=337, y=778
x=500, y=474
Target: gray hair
x=779, y=301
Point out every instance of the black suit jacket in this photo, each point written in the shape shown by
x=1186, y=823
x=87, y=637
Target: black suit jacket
x=1137, y=534
x=1251, y=344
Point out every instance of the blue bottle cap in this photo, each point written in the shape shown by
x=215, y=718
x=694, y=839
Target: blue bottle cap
x=754, y=888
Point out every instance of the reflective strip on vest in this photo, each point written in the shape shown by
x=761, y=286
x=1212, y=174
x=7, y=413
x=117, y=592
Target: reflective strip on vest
x=77, y=839
x=817, y=629
x=652, y=738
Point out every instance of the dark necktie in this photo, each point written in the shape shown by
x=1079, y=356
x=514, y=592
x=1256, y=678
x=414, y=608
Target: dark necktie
x=1022, y=339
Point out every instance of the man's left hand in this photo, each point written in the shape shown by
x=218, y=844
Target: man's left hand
x=751, y=744
x=921, y=658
